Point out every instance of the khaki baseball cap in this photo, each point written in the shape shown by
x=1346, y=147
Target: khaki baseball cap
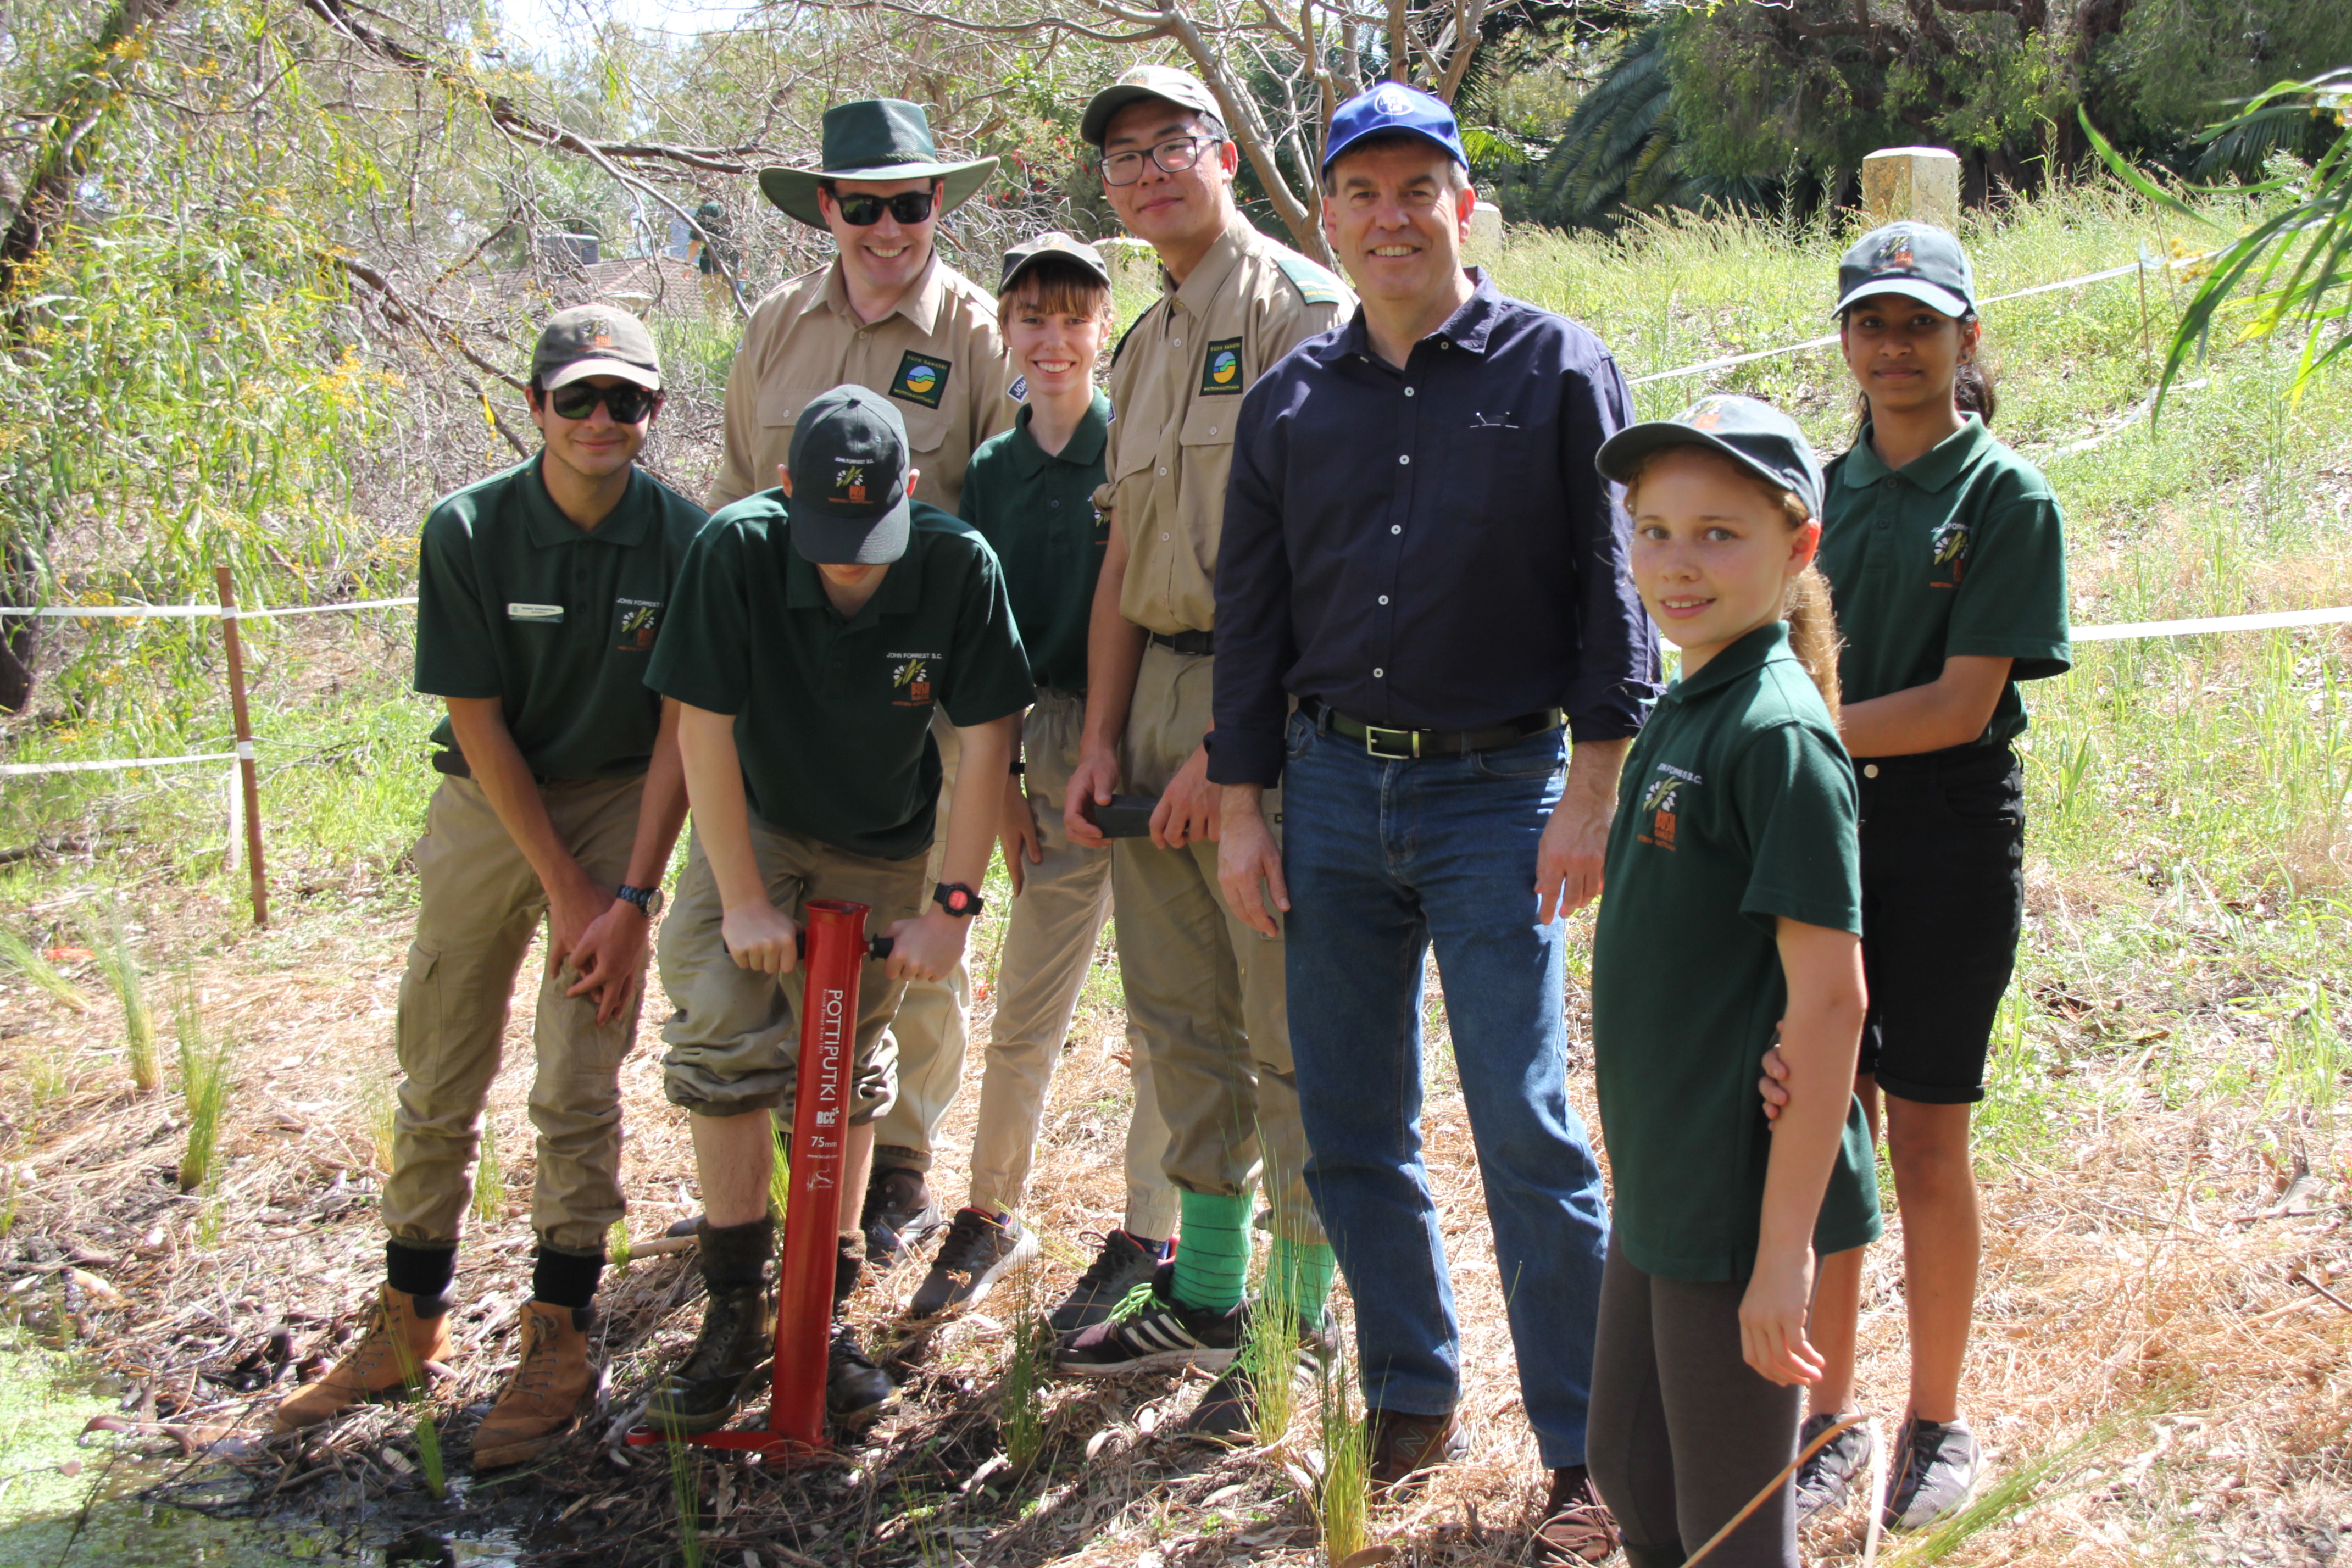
x=1164, y=82
x=1050, y=244
x=595, y=340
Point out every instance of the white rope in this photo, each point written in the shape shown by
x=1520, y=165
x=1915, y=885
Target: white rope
x=17, y=770
x=185, y=612
x=2132, y=631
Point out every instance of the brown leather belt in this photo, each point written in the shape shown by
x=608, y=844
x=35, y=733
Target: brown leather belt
x=1404, y=745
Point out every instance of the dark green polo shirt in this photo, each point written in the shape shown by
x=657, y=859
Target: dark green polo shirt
x=515, y=601
x=1960, y=552
x=1037, y=511
x=833, y=717
x=1737, y=807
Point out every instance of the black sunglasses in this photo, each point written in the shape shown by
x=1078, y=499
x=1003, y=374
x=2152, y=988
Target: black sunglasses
x=627, y=402
x=863, y=211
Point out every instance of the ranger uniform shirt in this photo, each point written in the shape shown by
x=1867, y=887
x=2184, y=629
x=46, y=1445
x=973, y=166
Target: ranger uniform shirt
x=516, y=601
x=1177, y=380
x=833, y=716
x=1738, y=808
x=937, y=357
x=1036, y=511
x=1959, y=551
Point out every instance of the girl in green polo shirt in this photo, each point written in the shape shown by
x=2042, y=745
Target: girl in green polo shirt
x=1946, y=556
x=1732, y=910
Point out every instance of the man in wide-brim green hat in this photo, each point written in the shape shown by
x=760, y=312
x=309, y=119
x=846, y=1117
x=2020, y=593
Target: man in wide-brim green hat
x=875, y=138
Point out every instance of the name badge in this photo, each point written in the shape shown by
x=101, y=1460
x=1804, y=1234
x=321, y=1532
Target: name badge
x=551, y=615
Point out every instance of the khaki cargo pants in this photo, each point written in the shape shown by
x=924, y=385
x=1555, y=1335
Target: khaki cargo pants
x=932, y=1030
x=1203, y=991
x=1049, y=941
x=735, y=1039
x=480, y=905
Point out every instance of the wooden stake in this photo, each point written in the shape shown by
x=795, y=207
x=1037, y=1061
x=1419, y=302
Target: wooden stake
x=245, y=761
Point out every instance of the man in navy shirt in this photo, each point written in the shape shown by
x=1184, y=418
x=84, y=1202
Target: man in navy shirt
x=1417, y=548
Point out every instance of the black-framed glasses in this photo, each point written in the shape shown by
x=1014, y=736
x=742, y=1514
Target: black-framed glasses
x=1174, y=156
x=627, y=402
x=864, y=211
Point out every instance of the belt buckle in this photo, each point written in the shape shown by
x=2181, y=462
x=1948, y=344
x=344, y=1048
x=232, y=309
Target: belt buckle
x=1409, y=738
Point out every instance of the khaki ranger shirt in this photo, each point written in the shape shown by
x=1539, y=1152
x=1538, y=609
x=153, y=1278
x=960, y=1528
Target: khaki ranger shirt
x=937, y=357
x=1177, y=382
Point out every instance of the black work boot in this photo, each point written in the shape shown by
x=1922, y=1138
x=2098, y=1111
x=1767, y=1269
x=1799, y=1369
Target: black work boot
x=855, y=1388
x=737, y=1336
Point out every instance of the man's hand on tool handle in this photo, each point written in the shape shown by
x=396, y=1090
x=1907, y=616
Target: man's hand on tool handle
x=610, y=957
x=1187, y=812
x=1092, y=783
x=762, y=937
x=926, y=947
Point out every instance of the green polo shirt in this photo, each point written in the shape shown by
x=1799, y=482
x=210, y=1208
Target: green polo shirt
x=1737, y=807
x=1960, y=552
x=833, y=717
x=516, y=601
x=1037, y=511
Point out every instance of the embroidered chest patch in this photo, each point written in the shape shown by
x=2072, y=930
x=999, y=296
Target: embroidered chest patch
x=1220, y=369
x=640, y=622
x=1948, y=546
x=911, y=675
x=1662, y=804
x=921, y=379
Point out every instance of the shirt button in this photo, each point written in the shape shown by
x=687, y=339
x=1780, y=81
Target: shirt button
x=1213, y=430
x=1384, y=598
x=1164, y=539
x=1396, y=528
x=1163, y=473
x=1870, y=770
x=1403, y=458
x=1055, y=502
x=1380, y=674
x=1180, y=342
x=1408, y=392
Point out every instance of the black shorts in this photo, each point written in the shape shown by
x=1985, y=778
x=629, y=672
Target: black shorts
x=1943, y=900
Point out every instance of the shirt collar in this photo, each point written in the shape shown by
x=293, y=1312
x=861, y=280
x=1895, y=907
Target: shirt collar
x=1468, y=327
x=546, y=527
x=1200, y=287
x=901, y=589
x=1084, y=450
x=920, y=304
x=1757, y=649
x=1931, y=470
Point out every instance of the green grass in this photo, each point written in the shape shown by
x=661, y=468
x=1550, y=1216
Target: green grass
x=207, y=1072
x=119, y=963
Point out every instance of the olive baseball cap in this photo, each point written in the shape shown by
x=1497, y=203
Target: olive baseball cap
x=1163, y=82
x=1916, y=260
x=848, y=463
x=595, y=340
x=1754, y=434
x=1051, y=244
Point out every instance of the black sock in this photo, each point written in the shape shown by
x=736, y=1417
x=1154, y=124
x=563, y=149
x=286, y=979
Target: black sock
x=734, y=1256
x=565, y=1278
x=848, y=1266
x=424, y=1272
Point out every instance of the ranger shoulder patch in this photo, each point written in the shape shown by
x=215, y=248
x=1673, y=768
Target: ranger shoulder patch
x=1315, y=286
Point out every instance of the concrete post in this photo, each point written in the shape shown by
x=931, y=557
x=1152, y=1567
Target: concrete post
x=1919, y=183
x=1485, y=232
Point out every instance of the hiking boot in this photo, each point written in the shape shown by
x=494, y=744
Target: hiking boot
x=550, y=1384
x=1151, y=1331
x=1228, y=1412
x=389, y=1355
x=855, y=1388
x=1123, y=1263
x=737, y=1339
x=1577, y=1527
x=979, y=1251
x=1935, y=1472
x=899, y=1216
x=1405, y=1447
x=1825, y=1480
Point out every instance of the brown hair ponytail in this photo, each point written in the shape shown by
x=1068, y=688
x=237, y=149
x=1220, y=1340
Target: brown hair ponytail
x=1813, y=629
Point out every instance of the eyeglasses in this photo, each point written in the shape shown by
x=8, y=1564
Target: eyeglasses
x=627, y=402
x=1174, y=156
x=865, y=211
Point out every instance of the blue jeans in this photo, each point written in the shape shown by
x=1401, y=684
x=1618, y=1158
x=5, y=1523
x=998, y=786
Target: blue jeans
x=1383, y=857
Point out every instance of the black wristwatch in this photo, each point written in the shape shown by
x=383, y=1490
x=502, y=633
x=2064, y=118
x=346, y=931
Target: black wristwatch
x=958, y=899
x=647, y=899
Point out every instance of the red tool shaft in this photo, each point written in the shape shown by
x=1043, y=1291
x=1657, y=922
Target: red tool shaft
x=836, y=947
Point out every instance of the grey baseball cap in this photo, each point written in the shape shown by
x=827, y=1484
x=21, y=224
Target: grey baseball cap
x=1164, y=82
x=848, y=462
x=1916, y=260
x=1052, y=244
x=595, y=340
x=1754, y=434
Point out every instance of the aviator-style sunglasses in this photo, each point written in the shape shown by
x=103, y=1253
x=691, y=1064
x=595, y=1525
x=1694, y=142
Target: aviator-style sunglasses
x=627, y=402
x=863, y=211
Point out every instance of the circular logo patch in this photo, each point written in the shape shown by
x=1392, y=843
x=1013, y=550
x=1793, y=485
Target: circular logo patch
x=1226, y=365
x=922, y=378
x=1391, y=98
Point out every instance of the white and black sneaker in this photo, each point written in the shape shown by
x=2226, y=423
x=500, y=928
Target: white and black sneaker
x=1826, y=1479
x=1151, y=1331
x=979, y=1250
x=1936, y=1466
x=1124, y=1263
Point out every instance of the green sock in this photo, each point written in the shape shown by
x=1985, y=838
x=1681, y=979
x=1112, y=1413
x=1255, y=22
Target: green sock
x=1212, y=1251
x=1299, y=1272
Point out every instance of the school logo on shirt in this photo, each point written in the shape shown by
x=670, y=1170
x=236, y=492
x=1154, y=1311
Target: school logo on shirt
x=921, y=379
x=640, y=624
x=1661, y=803
x=1950, y=543
x=910, y=679
x=1220, y=372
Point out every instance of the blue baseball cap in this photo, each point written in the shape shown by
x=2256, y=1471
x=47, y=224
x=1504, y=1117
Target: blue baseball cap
x=1392, y=106
x=1754, y=434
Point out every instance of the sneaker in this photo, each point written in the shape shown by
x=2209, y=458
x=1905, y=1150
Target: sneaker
x=1123, y=1263
x=1228, y=1411
x=1577, y=1529
x=899, y=1216
x=1151, y=1331
x=1403, y=1449
x=1824, y=1480
x=855, y=1388
x=1937, y=1465
x=979, y=1250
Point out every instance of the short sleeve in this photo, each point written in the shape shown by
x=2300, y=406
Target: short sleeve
x=1798, y=806
x=703, y=658
x=2011, y=602
x=988, y=669
x=455, y=654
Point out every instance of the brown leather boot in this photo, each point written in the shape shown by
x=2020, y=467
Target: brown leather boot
x=1577, y=1527
x=376, y=1364
x=1406, y=1447
x=550, y=1384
